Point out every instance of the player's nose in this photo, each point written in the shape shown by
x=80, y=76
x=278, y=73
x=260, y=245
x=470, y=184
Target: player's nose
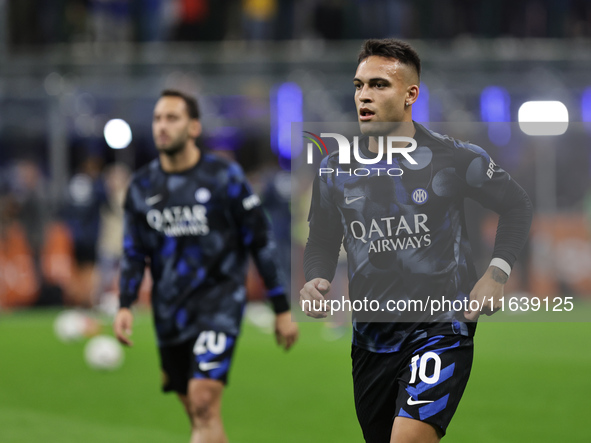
x=159, y=127
x=364, y=95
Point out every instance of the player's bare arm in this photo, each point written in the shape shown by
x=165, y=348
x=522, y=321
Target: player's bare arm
x=123, y=326
x=490, y=288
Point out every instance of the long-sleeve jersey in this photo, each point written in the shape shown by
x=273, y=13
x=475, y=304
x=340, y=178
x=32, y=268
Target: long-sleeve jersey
x=195, y=229
x=405, y=235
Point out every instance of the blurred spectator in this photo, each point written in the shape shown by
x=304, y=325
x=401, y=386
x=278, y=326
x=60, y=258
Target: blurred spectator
x=33, y=215
x=285, y=19
x=329, y=20
x=81, y=213
x=24, y=20
x=208, y=20
x=154, y=19
x=73, y=26
x=491, y=18
x=202, y=20
x=23, y=219
x=536, y=18
x=116, y=179
x=258, y=18
x=579, y=19
x=111, y=20
x=18, y=283
x=399, y=16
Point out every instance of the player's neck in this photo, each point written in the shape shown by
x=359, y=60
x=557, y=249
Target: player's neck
x=182, y=160
x=403, y=129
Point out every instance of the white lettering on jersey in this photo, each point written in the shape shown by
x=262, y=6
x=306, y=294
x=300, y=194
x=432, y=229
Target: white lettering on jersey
x=380, y=232
x=491, y=169
x=391, y=244
x=250, y=202
x=179, y=221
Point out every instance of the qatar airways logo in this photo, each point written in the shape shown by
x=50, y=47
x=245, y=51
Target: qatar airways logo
x=179, y=221
x=393, y=233
x=386, y=146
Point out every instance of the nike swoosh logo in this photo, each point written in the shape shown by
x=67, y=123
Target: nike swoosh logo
x=412, y=402
x=209, y=365
x=349, y=200
x=154, y=199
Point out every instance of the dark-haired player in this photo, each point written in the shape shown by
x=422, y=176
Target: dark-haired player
x=194, y=219
x=406, y=241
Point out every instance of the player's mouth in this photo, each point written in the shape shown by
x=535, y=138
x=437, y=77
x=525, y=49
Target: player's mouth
x=365, y=114
x=163, y=139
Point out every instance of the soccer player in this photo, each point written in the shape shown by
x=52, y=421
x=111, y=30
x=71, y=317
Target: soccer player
x=193, y=219
x=406, y=240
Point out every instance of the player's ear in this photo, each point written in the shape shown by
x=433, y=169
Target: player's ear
x=412, y=94
x=194, y=128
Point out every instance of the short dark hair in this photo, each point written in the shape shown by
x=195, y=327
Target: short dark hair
x=191, y=102
x=391, y=48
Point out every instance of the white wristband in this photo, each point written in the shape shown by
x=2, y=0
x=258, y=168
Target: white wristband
x=502, y=265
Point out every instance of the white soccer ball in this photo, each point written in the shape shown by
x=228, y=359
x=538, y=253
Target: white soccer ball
x=103, y=353
x=69, y=326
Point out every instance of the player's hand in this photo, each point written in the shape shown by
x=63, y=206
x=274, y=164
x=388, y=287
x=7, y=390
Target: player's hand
x=314, y=291
x=490, y=288
x=122, y=326
x=286, y=331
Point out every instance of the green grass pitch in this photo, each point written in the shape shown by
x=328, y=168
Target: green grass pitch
x=530, y=383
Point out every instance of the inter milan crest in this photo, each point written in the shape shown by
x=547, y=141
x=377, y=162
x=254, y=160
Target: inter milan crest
x=420, y=196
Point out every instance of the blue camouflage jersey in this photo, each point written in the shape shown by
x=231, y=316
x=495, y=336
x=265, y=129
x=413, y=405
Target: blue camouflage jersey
x=405, y=234
x=194, y=230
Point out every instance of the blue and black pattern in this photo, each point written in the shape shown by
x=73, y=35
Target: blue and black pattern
x=405, y=235
x=195, y=230
x=424, y=381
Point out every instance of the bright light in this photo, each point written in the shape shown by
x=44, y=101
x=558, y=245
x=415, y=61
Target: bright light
x=586, y=105
x=117, y=134
x=543, y=118
x=286, y=108
x=495, y=105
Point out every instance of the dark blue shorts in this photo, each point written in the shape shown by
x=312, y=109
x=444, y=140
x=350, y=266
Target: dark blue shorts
x=207, y=356
x=424, y=381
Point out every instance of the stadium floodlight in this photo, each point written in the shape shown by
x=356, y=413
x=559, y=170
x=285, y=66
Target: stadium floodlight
x=543, y=118
x=117, y=134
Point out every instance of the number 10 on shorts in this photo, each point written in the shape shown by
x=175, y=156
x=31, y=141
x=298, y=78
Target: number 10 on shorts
x=422, y=368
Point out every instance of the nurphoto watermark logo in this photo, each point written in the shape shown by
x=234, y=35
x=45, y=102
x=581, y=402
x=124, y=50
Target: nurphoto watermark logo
x=388, y=146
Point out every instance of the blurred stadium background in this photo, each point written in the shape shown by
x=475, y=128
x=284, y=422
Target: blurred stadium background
x=67, y=67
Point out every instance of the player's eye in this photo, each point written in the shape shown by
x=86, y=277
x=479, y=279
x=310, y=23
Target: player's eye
x=357, y=86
